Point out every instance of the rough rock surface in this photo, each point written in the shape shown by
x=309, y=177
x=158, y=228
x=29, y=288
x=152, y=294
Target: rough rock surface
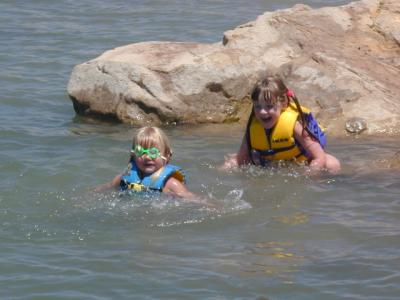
x=343, y=62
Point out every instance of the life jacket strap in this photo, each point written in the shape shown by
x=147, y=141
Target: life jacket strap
x=136, y=187
x=270, y=152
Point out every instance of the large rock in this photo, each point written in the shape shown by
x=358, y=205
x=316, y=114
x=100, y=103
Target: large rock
x=343, y=62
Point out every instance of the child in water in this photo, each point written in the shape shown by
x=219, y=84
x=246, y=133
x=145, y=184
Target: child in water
x=280, y=129
x=149, y=168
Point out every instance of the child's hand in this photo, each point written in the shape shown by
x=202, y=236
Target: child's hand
x=108, y=185
x=230, y=162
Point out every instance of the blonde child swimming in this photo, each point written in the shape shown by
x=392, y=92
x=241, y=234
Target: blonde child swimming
x=280, y=129
x=149, y=168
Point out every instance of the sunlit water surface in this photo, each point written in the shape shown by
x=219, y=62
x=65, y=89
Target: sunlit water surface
x=267, y=233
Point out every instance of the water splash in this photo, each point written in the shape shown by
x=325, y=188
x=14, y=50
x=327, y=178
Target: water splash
x=157, y=210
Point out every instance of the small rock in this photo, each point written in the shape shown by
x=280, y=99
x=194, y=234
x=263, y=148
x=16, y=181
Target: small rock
x=356, y=125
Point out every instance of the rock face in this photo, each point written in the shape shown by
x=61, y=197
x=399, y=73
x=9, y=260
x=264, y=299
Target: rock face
x=342, y=62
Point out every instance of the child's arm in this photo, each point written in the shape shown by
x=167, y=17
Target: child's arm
x=109, y=185
x=176, y=187
x=238, y=159
x=317, y=154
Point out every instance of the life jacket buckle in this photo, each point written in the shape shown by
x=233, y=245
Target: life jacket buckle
x=135, y=187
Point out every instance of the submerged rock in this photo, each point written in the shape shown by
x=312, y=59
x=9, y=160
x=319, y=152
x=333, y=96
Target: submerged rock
x=395, y=161
x=341, y=61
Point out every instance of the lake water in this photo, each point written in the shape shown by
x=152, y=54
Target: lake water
x=273, y=234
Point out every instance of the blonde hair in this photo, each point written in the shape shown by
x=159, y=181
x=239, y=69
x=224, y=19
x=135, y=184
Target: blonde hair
x=148, y=137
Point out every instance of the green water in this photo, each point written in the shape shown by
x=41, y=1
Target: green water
x=272, y=232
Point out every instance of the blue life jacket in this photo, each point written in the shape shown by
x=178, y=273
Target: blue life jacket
x=154, y=182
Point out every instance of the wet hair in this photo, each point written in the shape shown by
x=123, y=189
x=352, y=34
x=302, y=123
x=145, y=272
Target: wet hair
x=148, y=137
x=271, y=89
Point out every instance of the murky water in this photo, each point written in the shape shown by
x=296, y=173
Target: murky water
x=270, y=234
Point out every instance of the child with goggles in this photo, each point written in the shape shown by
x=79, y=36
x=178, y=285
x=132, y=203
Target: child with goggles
x=149, y=168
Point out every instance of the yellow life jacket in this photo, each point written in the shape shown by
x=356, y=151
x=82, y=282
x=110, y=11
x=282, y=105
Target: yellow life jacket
x=279, y=143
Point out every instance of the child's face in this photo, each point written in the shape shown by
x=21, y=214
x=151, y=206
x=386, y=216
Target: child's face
x=267, y=112
x=149, y=160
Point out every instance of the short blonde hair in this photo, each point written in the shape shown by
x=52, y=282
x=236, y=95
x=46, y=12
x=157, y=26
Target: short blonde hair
x=148, y=137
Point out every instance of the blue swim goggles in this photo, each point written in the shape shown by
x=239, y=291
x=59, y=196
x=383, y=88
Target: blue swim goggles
x=153, y=152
